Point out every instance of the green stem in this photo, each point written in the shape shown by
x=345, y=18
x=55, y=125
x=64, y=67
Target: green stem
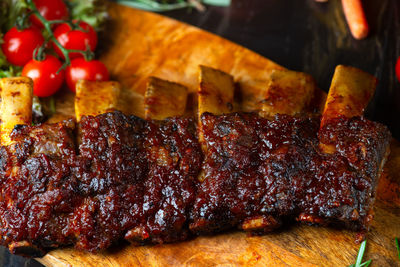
x=58, y=21
x=72, y=25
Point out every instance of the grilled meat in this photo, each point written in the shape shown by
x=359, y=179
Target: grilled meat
x=113, y=176
x=272, y=169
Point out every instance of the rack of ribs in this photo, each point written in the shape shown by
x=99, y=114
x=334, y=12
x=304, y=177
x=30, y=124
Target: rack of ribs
x=111, y=176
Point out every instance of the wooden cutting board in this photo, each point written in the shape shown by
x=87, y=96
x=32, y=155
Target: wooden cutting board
x=142, y=44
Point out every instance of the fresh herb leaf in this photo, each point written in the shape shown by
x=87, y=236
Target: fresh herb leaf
x=10, y=10
x=217, y=2
x=93, y=12
x=360, y=256
x=361, y=252
x=151, y=5
x=161, y=6
x=398, y=246
x=366, y=264
x=10, y=71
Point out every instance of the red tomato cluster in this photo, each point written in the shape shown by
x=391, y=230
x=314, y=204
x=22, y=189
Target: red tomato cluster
x=47, y=75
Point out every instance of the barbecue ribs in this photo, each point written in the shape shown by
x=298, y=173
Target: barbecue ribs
x=112, y=177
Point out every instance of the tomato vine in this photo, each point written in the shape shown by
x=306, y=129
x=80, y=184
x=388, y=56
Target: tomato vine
x=47, y=24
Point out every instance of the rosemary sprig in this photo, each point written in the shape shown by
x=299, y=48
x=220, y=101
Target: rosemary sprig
x=217, y=2
x=162, y=6
x=360, y=256
x=151, y=5
x=396, y=240
x=361, y=253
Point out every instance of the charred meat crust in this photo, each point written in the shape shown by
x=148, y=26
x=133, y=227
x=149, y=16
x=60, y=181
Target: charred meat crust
x=113, y=176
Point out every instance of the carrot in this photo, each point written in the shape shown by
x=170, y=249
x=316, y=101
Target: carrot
x=355, y=17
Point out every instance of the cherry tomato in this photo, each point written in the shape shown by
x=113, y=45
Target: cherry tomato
x=18, y=45
x=81, y=69
x=46, y=80
x=50, y=10
x=398, y=69
x=75, y=39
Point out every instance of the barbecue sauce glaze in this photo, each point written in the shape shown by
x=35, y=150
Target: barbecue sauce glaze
x=114, y=177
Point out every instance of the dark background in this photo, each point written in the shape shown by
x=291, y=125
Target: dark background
x=307, y=36
x=313, y=37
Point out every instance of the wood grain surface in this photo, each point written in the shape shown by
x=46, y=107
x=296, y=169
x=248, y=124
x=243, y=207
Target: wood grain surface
x=144, y=44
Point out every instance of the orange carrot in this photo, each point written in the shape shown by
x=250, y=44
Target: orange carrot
x=355, y=17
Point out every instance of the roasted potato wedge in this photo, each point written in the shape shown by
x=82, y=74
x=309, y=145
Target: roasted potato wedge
x=350, y=92
x=288, y=92
x=215, y=91
x=164, y=99
x=93, y=98
x=16, y=105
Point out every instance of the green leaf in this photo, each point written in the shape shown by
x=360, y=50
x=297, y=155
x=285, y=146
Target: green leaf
x=10, y=71
x=217, y=2
x=360, y=256
x=93, y=12
x=150, y=5
x=361, y=252
x=398, y=246
x=10, y=10
x=156, y=6
x=366, y=264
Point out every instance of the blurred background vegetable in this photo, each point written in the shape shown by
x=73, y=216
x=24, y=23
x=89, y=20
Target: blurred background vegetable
x=167, y=5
